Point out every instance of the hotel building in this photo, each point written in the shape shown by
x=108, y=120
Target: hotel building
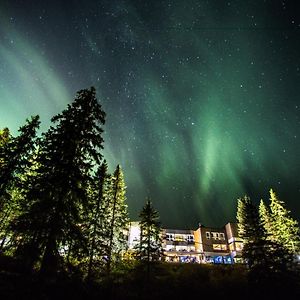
x=203, y=245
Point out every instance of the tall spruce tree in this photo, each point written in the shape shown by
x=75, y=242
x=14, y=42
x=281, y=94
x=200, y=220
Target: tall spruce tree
x=150, y=246
x=99, y=228
x=265, y=219
x=118, y=219
x=263, y=257
x=4, y=137
x=285, y=230
x=15, y=159
x=52, y=218
x=14, y=153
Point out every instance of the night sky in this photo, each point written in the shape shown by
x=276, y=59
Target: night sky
x=202, y=97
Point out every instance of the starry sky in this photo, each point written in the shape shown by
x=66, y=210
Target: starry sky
x=202, y=97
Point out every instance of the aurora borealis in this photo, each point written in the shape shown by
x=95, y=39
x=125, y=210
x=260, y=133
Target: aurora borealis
x=202, y=97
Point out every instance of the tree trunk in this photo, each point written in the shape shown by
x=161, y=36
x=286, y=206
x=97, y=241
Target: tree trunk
x=50, y=260
x=111, y=236
x=91, y=257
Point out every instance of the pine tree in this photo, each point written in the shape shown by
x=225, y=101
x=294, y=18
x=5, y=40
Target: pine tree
x=4, y=140
x=52, y=219
x=15, y=159
x=14, y=153
x=9, y=211
x=268, y=261
x=150, y=246
x=4, y=137
x=257, y=251
x=99, y=229
x=118, y=219
x=248, y=221
x=265, y=219
x=285, y=230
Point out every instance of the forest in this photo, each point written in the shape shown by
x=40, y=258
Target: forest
x=63, y=221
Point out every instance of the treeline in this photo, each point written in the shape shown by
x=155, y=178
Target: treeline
x=271, y=241
x=60, y=209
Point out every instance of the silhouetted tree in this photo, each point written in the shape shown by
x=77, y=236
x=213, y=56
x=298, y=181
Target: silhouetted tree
x=150, y=246
x=14, y=153
x=15, y=160
x=256, y=250
x=284, y=229
x=266, y=260
x=118, y=219
x=250, y=231
x=4, y=137
x=52, y=218
x=265, y=219
x=101, y=195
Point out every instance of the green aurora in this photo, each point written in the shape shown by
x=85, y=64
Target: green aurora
x=202, y=99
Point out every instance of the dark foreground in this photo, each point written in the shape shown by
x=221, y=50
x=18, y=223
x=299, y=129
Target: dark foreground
x=164, y=281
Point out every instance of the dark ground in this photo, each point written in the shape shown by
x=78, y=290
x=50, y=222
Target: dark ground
x=165, y=281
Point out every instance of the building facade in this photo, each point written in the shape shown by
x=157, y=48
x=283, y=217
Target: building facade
x=235, y=243
x=203, y=245
x=179, y=245
x=212, y=244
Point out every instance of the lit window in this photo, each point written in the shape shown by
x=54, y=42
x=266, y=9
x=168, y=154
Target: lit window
x=219, y=247
x=179, y=238
x=239, y=246
x=223, y=247
x=222, y=236
x=207, y=235
x=216, y=246
x=217, y=236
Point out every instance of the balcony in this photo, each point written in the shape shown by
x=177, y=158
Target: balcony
x=181, y=252
x=180, y=243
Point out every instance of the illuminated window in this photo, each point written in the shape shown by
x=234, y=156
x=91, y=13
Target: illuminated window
x=219, y=247
x=222, y=236
x=239, y=246
x=217, y=236
x=169, y=248
x=216, y=246
x=179, y=238
x=207, y=235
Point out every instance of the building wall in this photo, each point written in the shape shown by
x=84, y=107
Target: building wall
x=134, y=235
x=179, y=245
x=201, y=245
x=235, y=243
x=214, y=239
x=198, y=240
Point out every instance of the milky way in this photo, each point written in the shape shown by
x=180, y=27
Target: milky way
x=202, y=97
